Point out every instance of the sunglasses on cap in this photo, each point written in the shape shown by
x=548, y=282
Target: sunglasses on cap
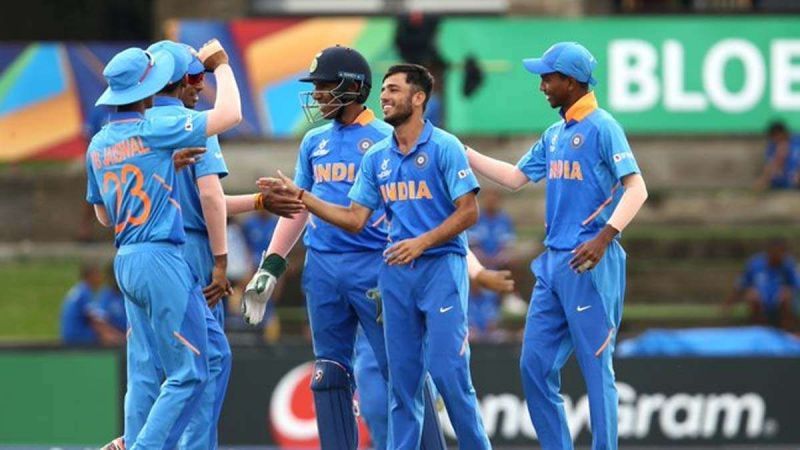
x=196, y=78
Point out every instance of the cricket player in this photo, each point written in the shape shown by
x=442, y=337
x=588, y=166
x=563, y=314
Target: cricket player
x=341, y=268
x=203, y=206
x=420, y=176
x=132, y=185
x=373, y=390
x=594, y=190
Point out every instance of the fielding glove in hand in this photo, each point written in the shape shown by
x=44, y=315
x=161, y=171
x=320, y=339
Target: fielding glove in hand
x=260, y=288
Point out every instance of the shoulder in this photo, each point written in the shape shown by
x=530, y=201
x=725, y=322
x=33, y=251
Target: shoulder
x=757, y=260
x=377, y=150
x=381, y=127
x=445, y=139
x=604, y=121
x=318, y=132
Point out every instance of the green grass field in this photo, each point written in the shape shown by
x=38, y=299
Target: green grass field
x=30, y=300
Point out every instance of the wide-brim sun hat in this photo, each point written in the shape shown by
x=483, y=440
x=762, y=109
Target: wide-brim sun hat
x=134, y=74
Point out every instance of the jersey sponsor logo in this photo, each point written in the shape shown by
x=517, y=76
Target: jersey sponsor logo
x=188, y=125
x=120, y=152
x=385, y=170
x=405, y=190
x=292, y=419
x=421, y=160
x=464, y=173
x=576, y=141
x=565, y=169
x=321, y=150
x=364, y=145
x=334, y=172
x=553, y=142
x=619, y=157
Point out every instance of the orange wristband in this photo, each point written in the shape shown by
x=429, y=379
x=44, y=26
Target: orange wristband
x=258, y=202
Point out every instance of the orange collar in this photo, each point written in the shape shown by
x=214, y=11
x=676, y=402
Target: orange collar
x=582, y=108
x=365, y=117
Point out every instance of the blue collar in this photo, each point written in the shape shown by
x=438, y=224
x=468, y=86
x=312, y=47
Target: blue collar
x=164, y=100
x=125, y=116
x=425, y=136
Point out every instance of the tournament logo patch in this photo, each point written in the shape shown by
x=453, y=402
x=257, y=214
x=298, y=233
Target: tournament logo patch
x=576, y=141
x=364, y=145
x=421, y=160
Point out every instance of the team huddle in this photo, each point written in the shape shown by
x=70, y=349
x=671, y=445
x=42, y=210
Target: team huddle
x=383, y=206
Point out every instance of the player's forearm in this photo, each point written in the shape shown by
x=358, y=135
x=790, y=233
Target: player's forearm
x=343, y=217
x=474, y=266
x=212, y=201
x=287, y=232
x=632, y=200
x=465, y=216
x=227, y=111
x=239, y=204
x=505, y=174
x=102, y=215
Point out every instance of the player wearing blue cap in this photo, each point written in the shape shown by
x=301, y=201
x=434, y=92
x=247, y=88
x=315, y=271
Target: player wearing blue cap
x=340, y=267
x=420, y=176
x=594, y=189
x=132, y=185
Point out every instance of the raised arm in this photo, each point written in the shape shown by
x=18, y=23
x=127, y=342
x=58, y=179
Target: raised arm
x=227, y=111
x=502, y=173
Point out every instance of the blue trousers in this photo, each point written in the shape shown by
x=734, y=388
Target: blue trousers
x=425, y=323
x=201, y=434
x=336, y=286
x=573, y=312
x=167, y=344
x=373, y=395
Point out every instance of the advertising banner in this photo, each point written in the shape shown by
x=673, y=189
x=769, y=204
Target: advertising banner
x=664, y=402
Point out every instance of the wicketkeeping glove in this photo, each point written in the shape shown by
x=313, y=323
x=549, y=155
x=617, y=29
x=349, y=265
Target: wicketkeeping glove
x=260, y=288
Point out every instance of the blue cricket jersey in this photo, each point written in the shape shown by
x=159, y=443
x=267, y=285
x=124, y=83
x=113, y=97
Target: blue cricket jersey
x=76, y=312
x=768, y=280
x=327, y=165
x=418, y=189
x=492, y=233
x=584, y=157
x=130, y=171
x=210, y=163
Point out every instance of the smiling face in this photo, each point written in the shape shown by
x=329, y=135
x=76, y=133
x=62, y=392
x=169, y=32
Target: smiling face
x=556, y=88
x=398, y=99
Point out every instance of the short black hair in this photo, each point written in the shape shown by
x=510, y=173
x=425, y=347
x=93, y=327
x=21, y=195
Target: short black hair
x=777, y=126
x=417, y=76
x=583, y=84
x=172, y=87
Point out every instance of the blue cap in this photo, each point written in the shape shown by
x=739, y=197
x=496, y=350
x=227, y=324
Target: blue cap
x=179, y=53
x=134, y=74
x=569, y=58
x=195, y=66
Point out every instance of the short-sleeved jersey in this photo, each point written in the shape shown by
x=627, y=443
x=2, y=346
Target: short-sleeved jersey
x=584, y=157
x=785, y=178
x=327, y=166
x=417, y=189
x=210, y=163
x=76, y=313
x=767, y=280
x=111, y=308
x=130, y=171
x=492, y=233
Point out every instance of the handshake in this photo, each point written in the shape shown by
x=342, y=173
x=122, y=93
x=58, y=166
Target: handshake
x=281, y=197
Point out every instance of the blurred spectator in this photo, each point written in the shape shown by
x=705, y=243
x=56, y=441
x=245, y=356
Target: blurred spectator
x=81, y=321
x=769, y=285
x=258, y=229
x=111, y=303
x=245, y=244
x=491, y=240
x=782, y=159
